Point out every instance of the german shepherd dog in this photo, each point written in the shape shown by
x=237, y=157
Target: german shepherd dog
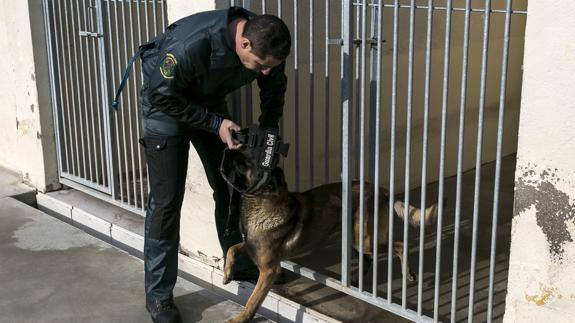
x=278, y=224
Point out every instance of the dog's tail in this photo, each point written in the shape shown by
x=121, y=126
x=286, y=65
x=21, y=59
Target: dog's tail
x=414, y=214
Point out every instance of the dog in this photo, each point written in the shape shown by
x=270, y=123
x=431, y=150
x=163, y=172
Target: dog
x=278, y=224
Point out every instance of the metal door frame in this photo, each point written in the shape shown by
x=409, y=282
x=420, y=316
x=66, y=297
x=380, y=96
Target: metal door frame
x=114, y=29
x=96, y=35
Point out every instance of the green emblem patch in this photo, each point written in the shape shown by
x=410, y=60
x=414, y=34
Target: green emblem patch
x=168, y=65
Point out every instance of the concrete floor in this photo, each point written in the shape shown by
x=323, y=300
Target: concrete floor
x=53, y=272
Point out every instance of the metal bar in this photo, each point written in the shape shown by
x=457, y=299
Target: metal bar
x=133, y=149
x=478, y=159
x=64, y=107
x=138, y=135
x=81, y=99
x=85, y=182
x=408, y=152
x=248, y=88
x=460, y=150
x=123, y=127
x=311, y=97
x=129, y=103
x=281, y=119
x=362, y=144
x=357, y=61
x=118, y=116
x=326, y=96
x=392, y=150
x=147, y=20
x=336, y=285
x=502, y=93
x=279, y=8
x=473, y=10
x=51, y=66
x=104, y=91
x=442, y=158
x=78, y=91
x=372, y=41
x=264, y=6
x=98, y=107
x=346, y=101
x=164, y=15
x=116, y=121
x=70, y=104
x=379, y=28
x=155, y=15
x=86, y=14
x=73, y=183
x=296, y=97
x=424, y=157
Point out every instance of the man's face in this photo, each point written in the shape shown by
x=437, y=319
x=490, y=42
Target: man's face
x=253, y=62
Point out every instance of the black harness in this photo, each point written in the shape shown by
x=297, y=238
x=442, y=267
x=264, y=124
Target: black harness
x=268, y=146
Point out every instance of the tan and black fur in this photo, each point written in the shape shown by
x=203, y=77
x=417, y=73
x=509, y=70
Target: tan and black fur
x=279, y=225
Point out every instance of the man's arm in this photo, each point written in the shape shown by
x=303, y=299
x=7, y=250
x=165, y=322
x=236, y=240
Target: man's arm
x=272, y=96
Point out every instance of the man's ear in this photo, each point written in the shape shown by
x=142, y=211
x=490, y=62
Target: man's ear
x=246, y=43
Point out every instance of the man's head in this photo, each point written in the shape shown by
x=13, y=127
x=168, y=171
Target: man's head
x=265, y=43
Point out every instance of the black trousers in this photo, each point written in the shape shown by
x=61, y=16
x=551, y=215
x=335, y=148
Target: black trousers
x=167, y=158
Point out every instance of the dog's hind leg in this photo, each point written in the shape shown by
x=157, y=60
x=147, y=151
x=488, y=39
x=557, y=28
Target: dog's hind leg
x=233, y=251
x=398, y=249
x=367, y=265
x=263, y=286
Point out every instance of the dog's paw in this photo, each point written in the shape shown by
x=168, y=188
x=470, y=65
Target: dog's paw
x=226, y=279
x=238, y=319
x=412, y=277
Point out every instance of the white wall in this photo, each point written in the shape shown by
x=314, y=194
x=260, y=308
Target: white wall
x=541, y=284
x=24, y=95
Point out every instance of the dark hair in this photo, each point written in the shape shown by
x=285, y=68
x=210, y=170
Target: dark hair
x=268, y=35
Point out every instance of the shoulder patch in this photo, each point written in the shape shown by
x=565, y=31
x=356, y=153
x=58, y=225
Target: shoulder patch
x=167, y=66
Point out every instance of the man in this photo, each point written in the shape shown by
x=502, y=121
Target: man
x=188, y=71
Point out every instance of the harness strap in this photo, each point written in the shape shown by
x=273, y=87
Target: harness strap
x=127, y=72
x=232, y=210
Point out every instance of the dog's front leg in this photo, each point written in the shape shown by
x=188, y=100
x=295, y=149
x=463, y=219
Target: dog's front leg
x=263, y=286
x=233, y=251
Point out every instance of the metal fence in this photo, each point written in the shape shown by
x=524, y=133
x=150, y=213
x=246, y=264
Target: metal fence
x=406, y=94
x=89, y=45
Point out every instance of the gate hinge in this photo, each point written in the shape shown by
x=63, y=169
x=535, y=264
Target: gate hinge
x=370, y=41
x=335, y=41
x=356, y=41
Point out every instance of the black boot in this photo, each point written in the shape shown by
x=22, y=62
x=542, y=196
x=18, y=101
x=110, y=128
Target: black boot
x=163, y=311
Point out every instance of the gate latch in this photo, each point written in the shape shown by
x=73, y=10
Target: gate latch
x=90, y=34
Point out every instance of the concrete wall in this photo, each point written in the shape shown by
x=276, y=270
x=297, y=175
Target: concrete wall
x=199, y=238
x=26, y=125
x=542, y=266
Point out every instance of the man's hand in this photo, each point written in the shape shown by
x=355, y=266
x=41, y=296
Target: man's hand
x=225, y=132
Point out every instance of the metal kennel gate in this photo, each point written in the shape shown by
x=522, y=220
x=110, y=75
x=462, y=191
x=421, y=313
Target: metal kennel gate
x=89, y=44
x=406, y=94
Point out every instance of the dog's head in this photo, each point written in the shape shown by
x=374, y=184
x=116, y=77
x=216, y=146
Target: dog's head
x=253, y=168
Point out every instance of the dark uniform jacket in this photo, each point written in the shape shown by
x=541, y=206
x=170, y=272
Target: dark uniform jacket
x=189, y=69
